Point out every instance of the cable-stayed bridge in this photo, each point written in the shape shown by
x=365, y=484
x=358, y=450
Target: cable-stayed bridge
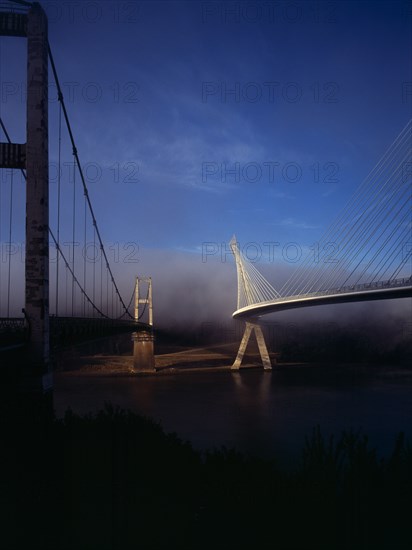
x=364, y=255
x=77, y=292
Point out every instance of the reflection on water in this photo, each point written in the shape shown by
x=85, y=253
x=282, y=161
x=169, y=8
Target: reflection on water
x=265, y=413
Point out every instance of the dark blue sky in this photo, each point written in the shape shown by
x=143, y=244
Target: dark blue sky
x=297, y=101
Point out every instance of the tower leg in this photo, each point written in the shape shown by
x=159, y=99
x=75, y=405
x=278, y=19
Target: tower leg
x=37, y=198
x=243, y=345
x=264, y=354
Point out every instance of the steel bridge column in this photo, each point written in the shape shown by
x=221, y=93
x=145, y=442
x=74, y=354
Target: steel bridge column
x=264, y=354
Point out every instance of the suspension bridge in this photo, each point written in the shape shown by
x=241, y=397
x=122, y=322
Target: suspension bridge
x=364, y=255
x=77, y=293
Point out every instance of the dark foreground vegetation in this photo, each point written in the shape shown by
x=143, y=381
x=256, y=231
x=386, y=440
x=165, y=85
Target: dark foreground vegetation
x=117, y=481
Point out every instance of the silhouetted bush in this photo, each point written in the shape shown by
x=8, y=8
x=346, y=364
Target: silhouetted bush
x=115, y=480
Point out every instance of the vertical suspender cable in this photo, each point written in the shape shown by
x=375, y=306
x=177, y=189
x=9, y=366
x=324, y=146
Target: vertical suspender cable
x=94, y=264
x=101, y=282
x=112, y=301
x=73, y=232
x=1, y=121
x=1, y=247
x=10, y=235
x=83, y=181
x=58, y=207
x=85, y=255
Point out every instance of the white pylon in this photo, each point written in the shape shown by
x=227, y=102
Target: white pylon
x=264, y=354
x=147, y=301
x=252, y=287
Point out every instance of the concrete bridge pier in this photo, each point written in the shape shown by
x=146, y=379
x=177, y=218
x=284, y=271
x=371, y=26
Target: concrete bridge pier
x=253, y=326
x=143, y=352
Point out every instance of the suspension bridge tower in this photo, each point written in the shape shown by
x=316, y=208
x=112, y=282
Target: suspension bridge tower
x=33, y=156
x=143, y=346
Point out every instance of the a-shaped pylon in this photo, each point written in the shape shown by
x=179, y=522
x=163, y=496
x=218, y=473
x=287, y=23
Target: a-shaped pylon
x=256, y=328
x=252, y=289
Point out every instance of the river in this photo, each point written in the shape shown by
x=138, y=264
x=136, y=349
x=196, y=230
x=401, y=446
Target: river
x=260, y=413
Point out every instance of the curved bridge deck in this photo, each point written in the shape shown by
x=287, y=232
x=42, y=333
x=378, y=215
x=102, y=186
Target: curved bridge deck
x=400, y=288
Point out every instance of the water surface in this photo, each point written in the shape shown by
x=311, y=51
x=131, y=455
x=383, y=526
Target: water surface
x=257, y=412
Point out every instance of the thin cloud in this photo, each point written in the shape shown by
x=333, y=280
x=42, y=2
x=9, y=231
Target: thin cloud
x=297, y=224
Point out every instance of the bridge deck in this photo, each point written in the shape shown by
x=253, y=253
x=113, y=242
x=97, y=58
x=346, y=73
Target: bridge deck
x=379, y=291
x=14, y=331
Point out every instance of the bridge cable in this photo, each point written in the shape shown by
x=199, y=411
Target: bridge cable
x=396, y=214
x=10, y=240
x=85, y=254
x=359, y=219
x=374, y=218
x=348, y=212
x=374, y=222
x=94, y=264
x=75, y=153
x=383, y=245
x=130, y=303
x=392, y=255
x=355, y=207
x=101, y=281
x=74, y=278
x=56, y=244
x=359, y=237
x=58, y=207
x=4, y=130
x=73, y=228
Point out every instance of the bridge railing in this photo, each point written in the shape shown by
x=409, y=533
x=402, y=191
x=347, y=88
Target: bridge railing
x=395, y=283
x=405, y=281
x=13, y=8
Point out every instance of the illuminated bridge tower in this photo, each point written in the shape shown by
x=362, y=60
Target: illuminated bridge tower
x=33, y=156
x=252, y=288
x=143, y=346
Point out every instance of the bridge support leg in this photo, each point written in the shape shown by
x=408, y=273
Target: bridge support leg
x=249, y=328
x=37, y=200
